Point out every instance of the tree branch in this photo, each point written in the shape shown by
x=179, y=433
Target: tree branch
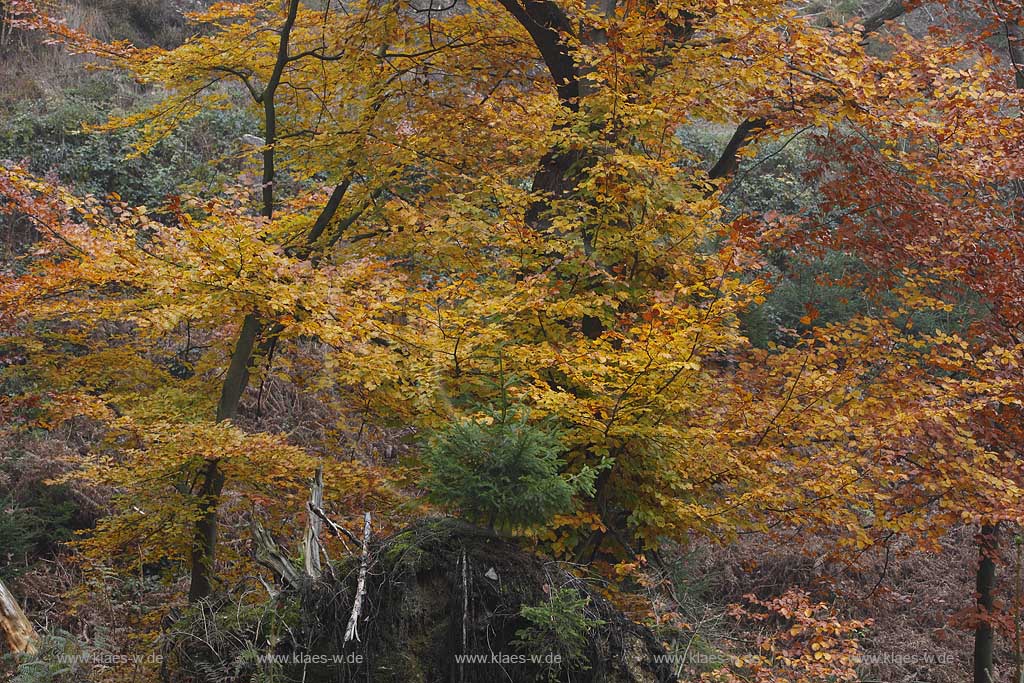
x=893, y=10
x=324, y=219
x=728, y=162
x=545, y=21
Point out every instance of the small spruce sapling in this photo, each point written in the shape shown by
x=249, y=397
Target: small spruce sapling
x=560, y=627
x=502, y=470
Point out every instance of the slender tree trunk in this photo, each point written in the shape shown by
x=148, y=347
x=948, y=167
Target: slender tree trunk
x=237, y=378
x=988, y=544
x=204, y=541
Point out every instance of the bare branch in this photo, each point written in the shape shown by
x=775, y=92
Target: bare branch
x=340, y=532
x=892, y=10
x=352, y=630
x=729, y=161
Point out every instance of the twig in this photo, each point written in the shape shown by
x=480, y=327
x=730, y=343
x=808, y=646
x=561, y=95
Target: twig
x=465, y=610
x=339, y=531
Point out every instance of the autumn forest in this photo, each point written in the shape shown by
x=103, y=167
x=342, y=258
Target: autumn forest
x=511, y=340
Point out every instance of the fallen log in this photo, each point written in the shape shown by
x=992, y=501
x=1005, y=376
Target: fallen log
x=19, y=634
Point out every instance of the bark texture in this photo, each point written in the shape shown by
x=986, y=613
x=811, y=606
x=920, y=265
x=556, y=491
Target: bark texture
x=19, y=635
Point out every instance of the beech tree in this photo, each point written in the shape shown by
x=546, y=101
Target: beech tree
x=441, y=191
x=935, y=198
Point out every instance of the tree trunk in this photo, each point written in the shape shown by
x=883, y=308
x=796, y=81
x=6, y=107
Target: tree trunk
x=237, y=378
x=988, y=544
x=204, y=541
x=19, y=634
x=311, y=543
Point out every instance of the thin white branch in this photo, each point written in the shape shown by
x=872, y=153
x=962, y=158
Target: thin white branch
x=352, y=631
